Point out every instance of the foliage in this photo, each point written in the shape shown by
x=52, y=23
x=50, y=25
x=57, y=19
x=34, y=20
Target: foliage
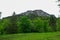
x=52, y=22
x=12, y=28
x=23, y=24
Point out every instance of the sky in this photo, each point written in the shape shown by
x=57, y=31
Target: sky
x=7, y=7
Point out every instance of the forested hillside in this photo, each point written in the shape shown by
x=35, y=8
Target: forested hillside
x=28, y=22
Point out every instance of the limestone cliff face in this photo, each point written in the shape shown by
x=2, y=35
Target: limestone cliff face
x=32, y=14
x=36, y=13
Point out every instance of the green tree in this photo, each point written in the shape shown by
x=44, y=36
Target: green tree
x=58, y=23
x=46, y=26
x=52, y=23
x=38, y=25
x=4, y=23
x=12, y=28
x=25, y=24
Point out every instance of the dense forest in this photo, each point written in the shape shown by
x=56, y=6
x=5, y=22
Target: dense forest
x=29, y=22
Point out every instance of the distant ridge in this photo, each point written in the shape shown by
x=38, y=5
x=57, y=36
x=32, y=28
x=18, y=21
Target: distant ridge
x=32, y=13
x=35, y=12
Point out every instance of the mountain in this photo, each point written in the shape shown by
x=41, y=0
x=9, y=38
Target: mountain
x=35, y=12
x=32, y=14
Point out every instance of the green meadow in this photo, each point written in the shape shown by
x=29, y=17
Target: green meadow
x=32, y=36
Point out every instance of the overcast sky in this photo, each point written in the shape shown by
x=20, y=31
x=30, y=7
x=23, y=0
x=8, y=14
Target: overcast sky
x=7, y=7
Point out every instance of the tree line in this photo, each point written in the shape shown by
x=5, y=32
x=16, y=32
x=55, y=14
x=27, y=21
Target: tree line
x=24, y=24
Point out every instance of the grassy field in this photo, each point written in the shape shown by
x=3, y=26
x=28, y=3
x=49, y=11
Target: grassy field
x=32, y=36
